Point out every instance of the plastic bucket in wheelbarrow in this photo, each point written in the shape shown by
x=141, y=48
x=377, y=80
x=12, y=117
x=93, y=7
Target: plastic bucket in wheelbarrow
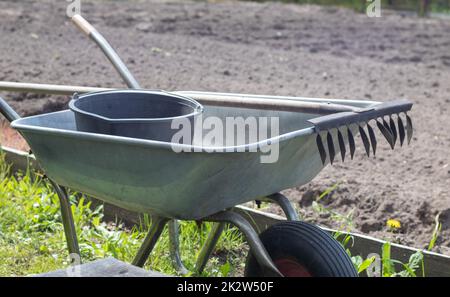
x=133, y=113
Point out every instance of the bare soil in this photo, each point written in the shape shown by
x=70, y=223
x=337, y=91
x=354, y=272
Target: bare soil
x=268, y=48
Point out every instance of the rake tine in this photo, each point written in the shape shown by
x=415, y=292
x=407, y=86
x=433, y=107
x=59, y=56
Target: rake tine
x=365, y=140
x=401, y=129
x=409, y=128
x=341, y=144
x=388, y=128
x=351, y=142
x=386, y=133
x=330, y=147
x=373, y=139
x=323, y=154
x=393, y=129
x=386, y=125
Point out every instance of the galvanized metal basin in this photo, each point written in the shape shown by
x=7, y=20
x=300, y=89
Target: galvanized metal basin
x=148, y=176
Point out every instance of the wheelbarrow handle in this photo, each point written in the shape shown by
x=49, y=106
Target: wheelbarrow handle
x=83, y=25
x=7, y=111
x=107, y=49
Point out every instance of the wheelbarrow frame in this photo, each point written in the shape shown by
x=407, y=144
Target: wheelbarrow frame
x=158, y=223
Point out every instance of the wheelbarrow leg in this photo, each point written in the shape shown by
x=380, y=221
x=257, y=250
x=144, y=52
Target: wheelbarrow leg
x=175, y=247
x=67, y=219
x=256, y=246
x=150, y=240
x=217, y=229
x=285, y=205
x=209, y=245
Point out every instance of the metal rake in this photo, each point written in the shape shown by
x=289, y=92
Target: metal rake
x=383, y=115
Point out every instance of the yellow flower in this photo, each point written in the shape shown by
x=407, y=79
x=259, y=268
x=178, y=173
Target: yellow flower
x=393, y=224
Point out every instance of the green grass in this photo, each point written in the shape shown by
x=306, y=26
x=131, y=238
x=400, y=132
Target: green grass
x=32, y=237
x=436, y=6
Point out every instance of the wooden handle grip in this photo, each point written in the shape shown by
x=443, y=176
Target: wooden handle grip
x=82, y=24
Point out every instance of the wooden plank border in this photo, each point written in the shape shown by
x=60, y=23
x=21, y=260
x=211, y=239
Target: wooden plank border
x=363, y=245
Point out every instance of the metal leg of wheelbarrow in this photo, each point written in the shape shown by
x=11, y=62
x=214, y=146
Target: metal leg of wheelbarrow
x=217, y=229
x=175, y=247
x=150, y=240
x=285, y=204
x=208, y=247
x=256, y=246
x=67, y=219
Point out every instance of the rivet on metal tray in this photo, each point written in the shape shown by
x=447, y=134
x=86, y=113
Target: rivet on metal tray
x=401, y=129
x=330, y=144
x=321, y=148
x=341, y=144
x=386, y=133
x=373, y=139
x=393, y=129
x=365, y=140
x=351, y=142
x=409, y=128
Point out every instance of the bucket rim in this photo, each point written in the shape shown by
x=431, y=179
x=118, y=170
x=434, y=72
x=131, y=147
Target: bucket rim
x=181, y=99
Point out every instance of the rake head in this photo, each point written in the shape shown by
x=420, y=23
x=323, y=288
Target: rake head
x=383, y=115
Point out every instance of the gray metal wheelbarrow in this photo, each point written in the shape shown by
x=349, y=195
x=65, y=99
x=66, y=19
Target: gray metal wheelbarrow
x=148, y=176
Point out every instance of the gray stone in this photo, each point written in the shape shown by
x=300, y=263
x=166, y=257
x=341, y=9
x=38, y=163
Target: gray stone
x=108, y=267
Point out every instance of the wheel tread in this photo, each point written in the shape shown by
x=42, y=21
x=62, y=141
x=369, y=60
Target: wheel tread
x=330, y=253
x=332, y=245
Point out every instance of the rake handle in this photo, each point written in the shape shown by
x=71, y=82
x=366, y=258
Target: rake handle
x=272, y=104
x=214, y=99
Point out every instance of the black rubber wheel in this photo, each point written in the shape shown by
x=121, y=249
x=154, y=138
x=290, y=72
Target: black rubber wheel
x=300, y=249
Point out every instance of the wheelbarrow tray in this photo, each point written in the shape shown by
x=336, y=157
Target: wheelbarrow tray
x=148, y=176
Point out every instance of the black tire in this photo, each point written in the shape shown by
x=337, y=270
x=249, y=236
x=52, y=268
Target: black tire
x=303, y=250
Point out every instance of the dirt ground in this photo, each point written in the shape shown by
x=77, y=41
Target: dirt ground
x=268, y=48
